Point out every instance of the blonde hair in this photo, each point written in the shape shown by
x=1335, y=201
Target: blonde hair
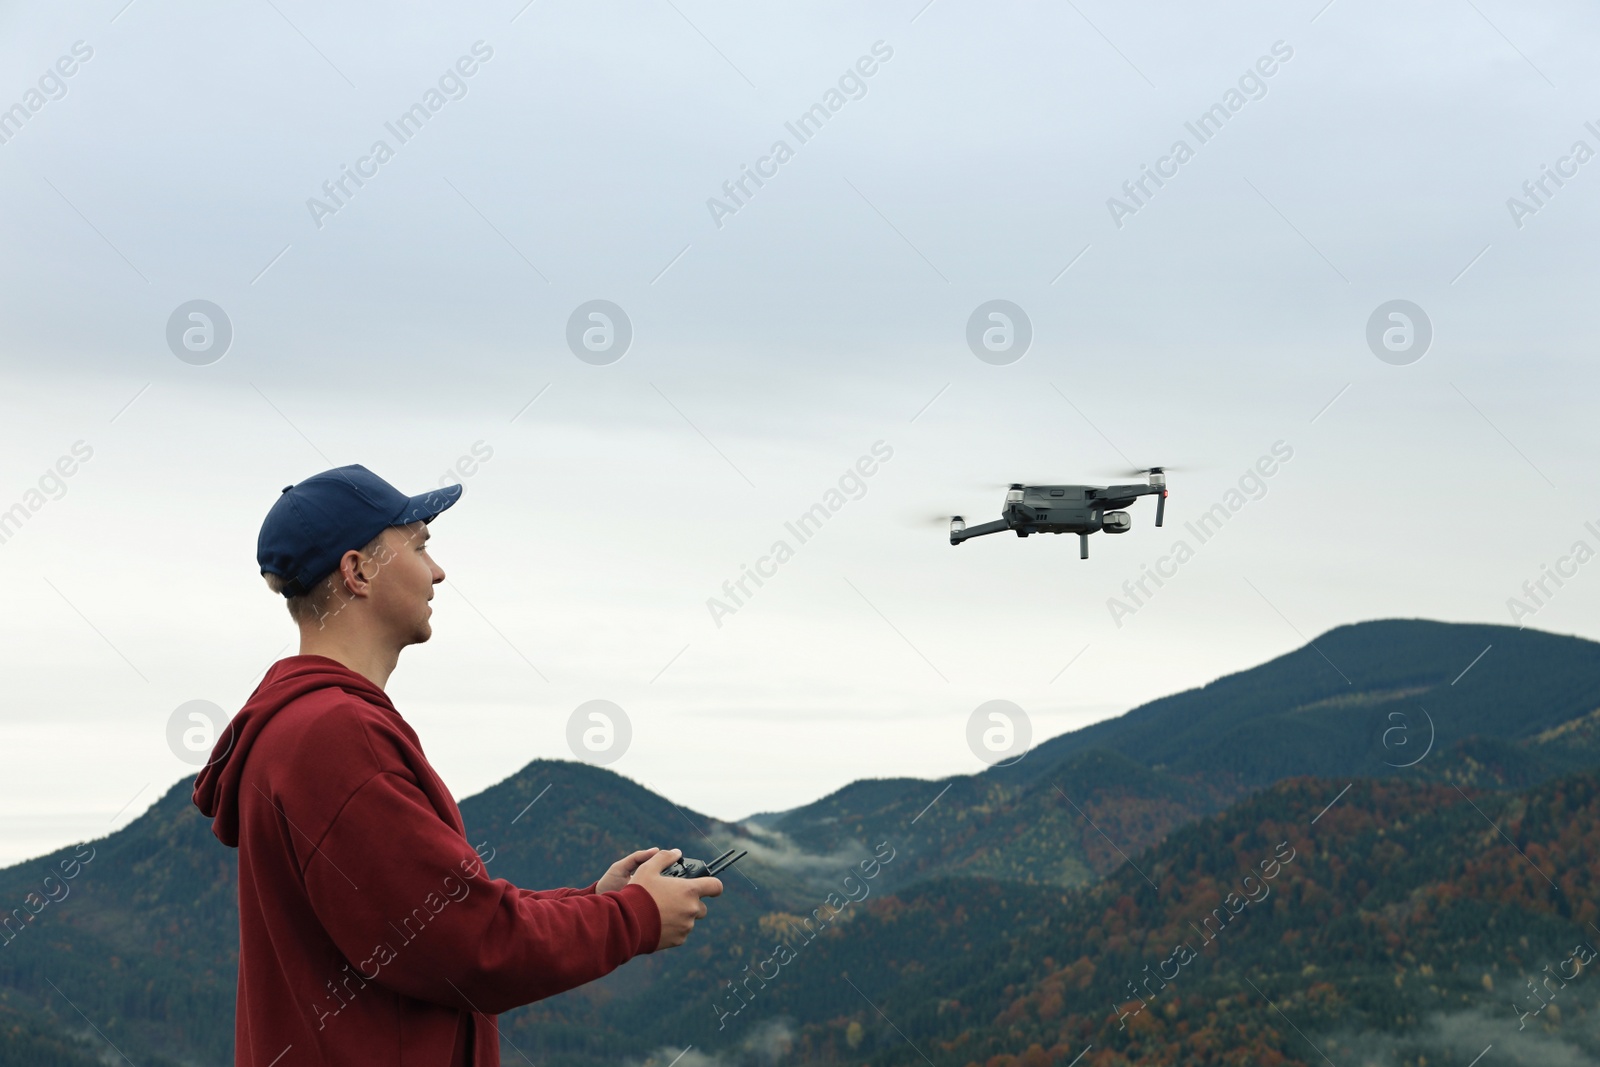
x=312, y=605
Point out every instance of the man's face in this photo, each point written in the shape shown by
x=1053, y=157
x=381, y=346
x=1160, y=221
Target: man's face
x=406, y=575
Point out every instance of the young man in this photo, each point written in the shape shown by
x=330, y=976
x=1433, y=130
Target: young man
x=369, y=930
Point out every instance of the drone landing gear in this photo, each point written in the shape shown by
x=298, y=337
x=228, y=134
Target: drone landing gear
x=1083, y=546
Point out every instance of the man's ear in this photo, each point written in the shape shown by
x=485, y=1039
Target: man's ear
x=353, y=571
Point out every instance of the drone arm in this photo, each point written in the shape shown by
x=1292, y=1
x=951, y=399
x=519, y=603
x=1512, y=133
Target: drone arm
x=978, y=531
x=1115, y=495
x=1123, y=492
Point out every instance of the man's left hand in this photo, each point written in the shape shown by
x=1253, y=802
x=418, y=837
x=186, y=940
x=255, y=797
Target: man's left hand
x=621, y=872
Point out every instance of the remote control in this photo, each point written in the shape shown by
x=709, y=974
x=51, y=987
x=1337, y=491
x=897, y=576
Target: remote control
x=685, y=867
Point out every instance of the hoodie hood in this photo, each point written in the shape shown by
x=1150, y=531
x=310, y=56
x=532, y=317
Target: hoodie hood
x=216, y=790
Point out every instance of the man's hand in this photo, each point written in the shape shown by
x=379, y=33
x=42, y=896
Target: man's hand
x=620, y=872
x=677, y=899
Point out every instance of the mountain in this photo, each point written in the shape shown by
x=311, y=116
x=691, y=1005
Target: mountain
x=1451, y=702
x=1036, y=831
x=1322, y=921
x=1325, y=708
x=142, y=943
x=1011, y=895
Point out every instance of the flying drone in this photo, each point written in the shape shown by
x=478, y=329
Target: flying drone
x=1079, y=509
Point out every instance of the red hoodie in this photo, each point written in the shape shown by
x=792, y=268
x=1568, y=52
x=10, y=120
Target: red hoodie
x=369, y=930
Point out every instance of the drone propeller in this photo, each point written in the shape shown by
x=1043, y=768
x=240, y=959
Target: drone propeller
x=942, y=519
x=1125, y=472
x=1158, y=478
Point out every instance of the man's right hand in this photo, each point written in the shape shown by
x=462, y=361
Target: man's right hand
x=678, y=899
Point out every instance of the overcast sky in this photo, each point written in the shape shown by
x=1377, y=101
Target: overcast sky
x=422, y=316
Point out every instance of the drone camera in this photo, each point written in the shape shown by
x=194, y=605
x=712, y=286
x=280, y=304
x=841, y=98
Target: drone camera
x=1116, y=522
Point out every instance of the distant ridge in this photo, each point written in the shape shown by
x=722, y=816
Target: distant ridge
x=1323, y=708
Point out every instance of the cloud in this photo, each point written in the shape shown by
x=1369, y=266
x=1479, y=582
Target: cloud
x=766, y=1044
x=777, y=849
x=1460, y=1037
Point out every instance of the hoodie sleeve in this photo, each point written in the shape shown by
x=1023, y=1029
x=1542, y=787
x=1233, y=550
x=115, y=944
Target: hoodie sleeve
x=557, y=894
x=409, y=903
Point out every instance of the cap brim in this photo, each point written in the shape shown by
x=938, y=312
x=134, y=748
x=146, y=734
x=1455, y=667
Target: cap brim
x=425, y=507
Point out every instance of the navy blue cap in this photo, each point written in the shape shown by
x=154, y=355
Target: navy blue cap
x=314, y=523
